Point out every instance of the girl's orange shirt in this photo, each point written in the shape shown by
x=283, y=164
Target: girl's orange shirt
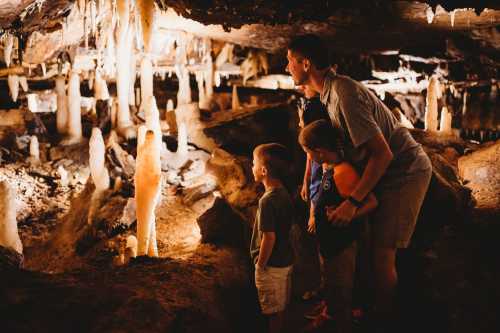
x=346, y=178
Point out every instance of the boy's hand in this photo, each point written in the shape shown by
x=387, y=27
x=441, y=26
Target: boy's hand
x=342, y=215
x=311, y=225
x=304, y=192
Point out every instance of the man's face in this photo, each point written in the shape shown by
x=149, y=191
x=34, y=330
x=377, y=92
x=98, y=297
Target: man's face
x=296, y=68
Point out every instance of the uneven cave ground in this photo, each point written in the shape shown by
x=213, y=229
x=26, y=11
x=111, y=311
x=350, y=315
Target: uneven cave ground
x=447, y=278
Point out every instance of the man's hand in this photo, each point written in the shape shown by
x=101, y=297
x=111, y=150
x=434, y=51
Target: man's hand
x=304, y=192
x=342, y=215
x=311, y=225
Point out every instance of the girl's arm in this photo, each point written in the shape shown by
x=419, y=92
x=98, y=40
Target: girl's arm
x=304, y=193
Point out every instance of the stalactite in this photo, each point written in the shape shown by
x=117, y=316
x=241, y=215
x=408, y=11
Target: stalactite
x=124, y=122
x=235, y=102
x=147, y=193
x=13, y=82
x=23, y=82
x=147, y=12
x=100, y=87
x=209, y=72
x=464, y=105
x=9, y=236
x=182, y=140
x=93, y=18
x=44, y=69
x=133, y=76
x=62, y=105
x=429, y=14
x=7, y=49
x=34, y=150
x=431, y=113
x=74, y=128
x=203, y=102
x=225, y=55
x=446, y=118
x=146, y=80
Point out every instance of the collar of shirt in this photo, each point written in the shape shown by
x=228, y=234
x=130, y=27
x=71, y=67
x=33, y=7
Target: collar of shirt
x=325, y=93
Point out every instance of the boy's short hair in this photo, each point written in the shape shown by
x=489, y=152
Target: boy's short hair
x=321, y=134
x=276, y=158
x=311, y=47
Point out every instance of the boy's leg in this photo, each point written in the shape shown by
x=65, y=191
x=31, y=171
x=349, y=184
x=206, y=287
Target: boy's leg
x=276, y=322
x=339, y=280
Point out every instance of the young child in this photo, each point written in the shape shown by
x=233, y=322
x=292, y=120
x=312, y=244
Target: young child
x=270, y=248
x=337, y=245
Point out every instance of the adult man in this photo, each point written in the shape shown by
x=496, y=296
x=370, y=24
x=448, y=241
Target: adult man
x=393, y=165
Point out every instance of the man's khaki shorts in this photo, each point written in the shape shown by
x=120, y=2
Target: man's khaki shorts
x=393, y=221
x=274, y=286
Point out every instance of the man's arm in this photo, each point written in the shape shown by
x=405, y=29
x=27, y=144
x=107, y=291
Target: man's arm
x=379, y=158
x=266, y=248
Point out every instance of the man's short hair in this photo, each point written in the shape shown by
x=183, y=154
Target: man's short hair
x=276, y=158
x=311, y=47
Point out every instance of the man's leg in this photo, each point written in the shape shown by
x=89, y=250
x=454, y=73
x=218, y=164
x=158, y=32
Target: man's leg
x=386, y=279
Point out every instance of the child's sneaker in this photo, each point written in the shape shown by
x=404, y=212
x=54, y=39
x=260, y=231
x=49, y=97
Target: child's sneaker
x=315, y=311
x=320, y=322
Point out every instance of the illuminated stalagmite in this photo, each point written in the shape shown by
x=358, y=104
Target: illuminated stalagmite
x=34, y=150
x=74, y=124
x=97, y=158
x=184, y=93
x=7, y=49
x=446, y=118
x=235, y=102
x=62, y=104
x=431, y=112
x=147, y=193
x=146, y=80
x=101, y=91
x=9, y=236
x=13, y=82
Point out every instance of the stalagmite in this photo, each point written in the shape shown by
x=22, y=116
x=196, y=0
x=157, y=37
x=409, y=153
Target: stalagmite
x=74, y=125
x=62, y=105
x=9, y=236
x=100, y=87
x=13, y=82
x=184, y=93
x=23, y=82
x=131, y=247
x=7, y=49
x=431, y=112
x=133, y=75
x=147, y=193
x=32, y=102
x=235, y=99
x=446, y=118
x=63, y=175
x=170, y=105
x=182, y=140
x=34, y=150
x=97, y=157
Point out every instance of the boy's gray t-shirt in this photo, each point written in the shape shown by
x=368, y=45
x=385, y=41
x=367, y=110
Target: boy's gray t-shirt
x=275, y=214
x=361, y=115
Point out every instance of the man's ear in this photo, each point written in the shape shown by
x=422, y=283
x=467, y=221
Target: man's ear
x=307, y=64
x=263, y=170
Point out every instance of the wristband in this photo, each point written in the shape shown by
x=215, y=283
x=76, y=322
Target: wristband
x=356, y=203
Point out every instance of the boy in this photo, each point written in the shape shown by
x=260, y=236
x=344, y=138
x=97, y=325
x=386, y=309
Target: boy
x=270, y=248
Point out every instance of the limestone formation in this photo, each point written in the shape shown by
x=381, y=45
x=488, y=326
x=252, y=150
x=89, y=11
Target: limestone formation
x=147, y=193
x=62, y=105
x=9, y=236
x=74, y=125
x=431, y=112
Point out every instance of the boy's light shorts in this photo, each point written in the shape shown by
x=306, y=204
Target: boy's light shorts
x=274, y=286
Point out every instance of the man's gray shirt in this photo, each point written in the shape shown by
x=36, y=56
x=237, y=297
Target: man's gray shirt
x=361, y=116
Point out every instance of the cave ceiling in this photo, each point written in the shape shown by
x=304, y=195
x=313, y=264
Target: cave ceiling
x=431, y=29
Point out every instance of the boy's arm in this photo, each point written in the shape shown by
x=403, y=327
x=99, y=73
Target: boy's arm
x=266, y=248
x=304, y=193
